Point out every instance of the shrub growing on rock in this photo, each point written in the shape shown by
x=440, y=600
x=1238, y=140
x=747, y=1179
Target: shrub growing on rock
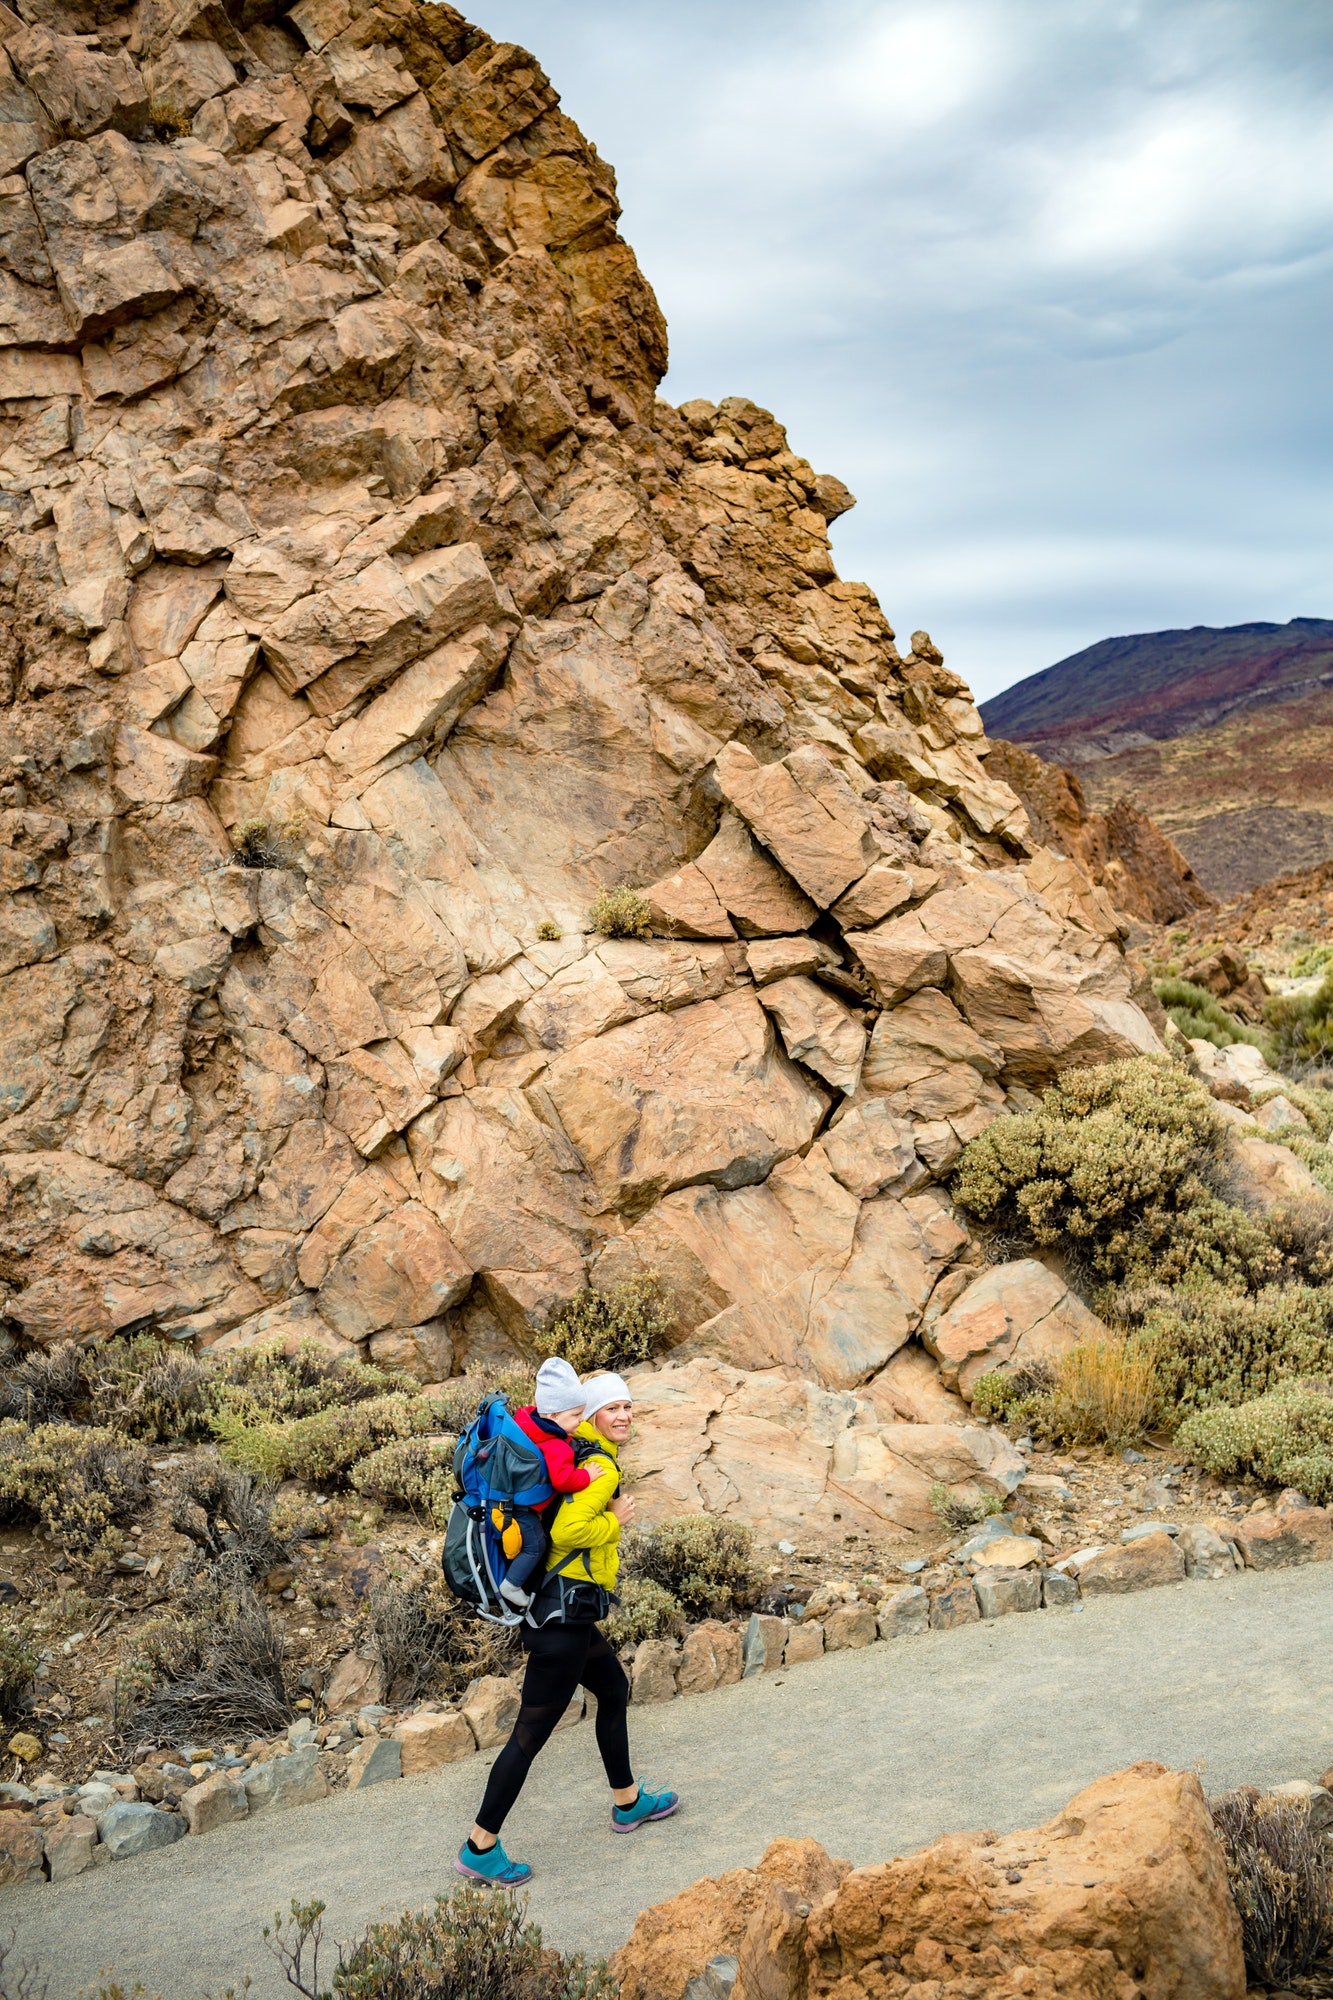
x=212, y=1666
x=620, y=913
x=474, y=1945
x=706, y=1563
x=1281, y=1875
x=645, y=1611
x=324, y=1447
x=415, y=1474
x=78, y=1480
x=617, y=1328
x=954, y=1512
x=1284, y=1438
x=1124, y=1162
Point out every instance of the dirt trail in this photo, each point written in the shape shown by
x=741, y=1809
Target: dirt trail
x=872, y=1752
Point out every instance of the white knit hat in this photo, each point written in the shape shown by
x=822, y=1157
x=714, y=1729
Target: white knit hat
x=599, y=1390
x=558, y=1387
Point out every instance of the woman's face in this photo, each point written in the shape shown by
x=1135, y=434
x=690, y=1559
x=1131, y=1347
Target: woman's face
x=614, y=1421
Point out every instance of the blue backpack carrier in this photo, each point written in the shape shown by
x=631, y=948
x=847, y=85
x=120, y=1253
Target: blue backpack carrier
x=498, y=1469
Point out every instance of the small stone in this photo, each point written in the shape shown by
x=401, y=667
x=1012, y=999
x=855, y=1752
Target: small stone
x=69, y=1845
x=216, y=1802
x=20, y=1848
x=955, y=1606
x=765, y=1641
x=1142, y=1528
x=1140, y=1565
x=25, y=1747
x=914, y=1567
x=352, y=1682
x=1059, y=1592
x=654, y=1673
x=491, y=1706
x=1009, y=1552
x=903, y=1612
x=1000, y=1592
x=126, y=1830
x=291, y=1780
x=373, y=1762
x=428, y=1741
x=786, y=1548
x=1207, y=1554
x=804, y=1642
x=849, y=1627
x=1278, y=1541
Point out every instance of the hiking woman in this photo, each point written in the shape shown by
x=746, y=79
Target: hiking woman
x=565, y=1647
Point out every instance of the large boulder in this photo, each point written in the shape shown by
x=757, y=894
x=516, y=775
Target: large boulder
x=1012, y=1315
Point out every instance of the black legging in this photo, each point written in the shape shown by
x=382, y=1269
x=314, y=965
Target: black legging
x=559, y=1658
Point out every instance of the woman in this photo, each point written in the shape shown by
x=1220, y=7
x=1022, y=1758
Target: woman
x=565, y=1647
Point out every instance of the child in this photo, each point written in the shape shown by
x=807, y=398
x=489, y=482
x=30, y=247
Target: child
x=549, y=1422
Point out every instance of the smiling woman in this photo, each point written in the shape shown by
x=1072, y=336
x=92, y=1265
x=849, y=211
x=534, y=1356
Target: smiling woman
x=1048, y=285
x=566, y=1648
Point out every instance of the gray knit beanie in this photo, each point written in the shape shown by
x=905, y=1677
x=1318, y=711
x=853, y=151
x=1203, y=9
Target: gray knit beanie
x=558, y=1388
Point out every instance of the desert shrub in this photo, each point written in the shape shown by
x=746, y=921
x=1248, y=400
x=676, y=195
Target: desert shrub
x=620, y=913
x=228, y=1516
x=643, y=1611
x=324, y=1447
x=261, y=1381
x=262, y=843
x=1124, y=1162
x=423, y=1638
x=1200, y=1016
x=148, y=1388
x=78, y=1480
x=1284, y=1438
x=18, y=1664
x=1313, y=1153
x=44, y=1387
x=1315, y=958
x=955, y=1512
x=1301, y=1025
x=1100, y=1392
x=1213, y=1346
x=212, y=1666
x=707, y=1564
x=1281, y=1875
x=615, y=1328
x=457, y=1401
x=547, y=931
x=415, y=1474
x=474, y=1945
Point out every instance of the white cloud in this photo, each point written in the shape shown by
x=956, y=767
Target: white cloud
x=1048, y=284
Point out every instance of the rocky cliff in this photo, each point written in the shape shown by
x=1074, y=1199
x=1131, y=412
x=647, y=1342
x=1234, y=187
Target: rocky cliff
x=365, y=616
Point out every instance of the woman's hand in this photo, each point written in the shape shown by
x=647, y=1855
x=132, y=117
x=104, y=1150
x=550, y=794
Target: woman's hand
x=623, y=1509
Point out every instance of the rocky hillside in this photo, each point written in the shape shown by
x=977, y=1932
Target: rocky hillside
x=1222, y=737
x=367, y=619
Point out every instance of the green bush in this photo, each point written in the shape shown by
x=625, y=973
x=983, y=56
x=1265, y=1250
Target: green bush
x=323, y=1448
x=620, y=913
x=1284, y=1438
x=1301, y=1024
x=705, y=1563
x=1124, y=1163
x=474, y=1945
x=617, y=1328
x=644, y=1611
x=149, y=1388
x=414, y=1474
x=548, y=931
x=78, y=1480
x=1213, y=1346
x=261, y=1381
x=457, y=1401
x=18, y=1664
x=1200, y=1016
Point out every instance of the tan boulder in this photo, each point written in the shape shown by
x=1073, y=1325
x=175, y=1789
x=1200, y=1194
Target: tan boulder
x=710, y=1658
x=880, y=891
x=1138, y=1565
x=783, y=957
x=353, y=1683
x=892, y=1469
x=686, y=905
x=1123, y=1893
x=491, y=1707
x=657, y=973
x=701, y=1094
x=578, y=1002
x=424, y=1352
x=805, y=813
x=910, y=1389
x=870, y=1150
x=1288, y=1535
x=1267, y=1174
x=672, y=1941
x=1013, y=1314
x=899, y=957
x=430, y=1740
x=760, y=897
x=817, y=1030
x=400, y=1272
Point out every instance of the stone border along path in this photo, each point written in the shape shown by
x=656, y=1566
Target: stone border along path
x=109, y=1829
x=872, y=1752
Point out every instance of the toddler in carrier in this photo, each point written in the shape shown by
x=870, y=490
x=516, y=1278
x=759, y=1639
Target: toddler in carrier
x=549, y=1422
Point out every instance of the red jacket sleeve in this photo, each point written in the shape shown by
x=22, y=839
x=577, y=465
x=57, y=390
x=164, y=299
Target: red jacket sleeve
x=566, y=1476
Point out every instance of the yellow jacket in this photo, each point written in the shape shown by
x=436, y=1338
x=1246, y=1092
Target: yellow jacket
x=582, y=1522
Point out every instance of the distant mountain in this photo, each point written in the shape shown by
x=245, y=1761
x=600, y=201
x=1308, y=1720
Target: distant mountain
x=1152, y=686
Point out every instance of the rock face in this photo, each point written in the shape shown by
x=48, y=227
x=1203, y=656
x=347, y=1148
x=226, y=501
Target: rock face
x=364, y=615
x=1123, y=1894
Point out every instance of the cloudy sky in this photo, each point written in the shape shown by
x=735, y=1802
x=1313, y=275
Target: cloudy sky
x=1048, y=282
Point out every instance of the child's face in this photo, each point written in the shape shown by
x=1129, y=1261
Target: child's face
x=569, y=1420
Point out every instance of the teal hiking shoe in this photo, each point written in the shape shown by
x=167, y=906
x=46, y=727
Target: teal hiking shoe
x=648, y=1805
x=492, y=1866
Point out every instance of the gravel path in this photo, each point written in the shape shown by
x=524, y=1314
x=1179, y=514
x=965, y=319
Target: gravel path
x=872, y=1752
